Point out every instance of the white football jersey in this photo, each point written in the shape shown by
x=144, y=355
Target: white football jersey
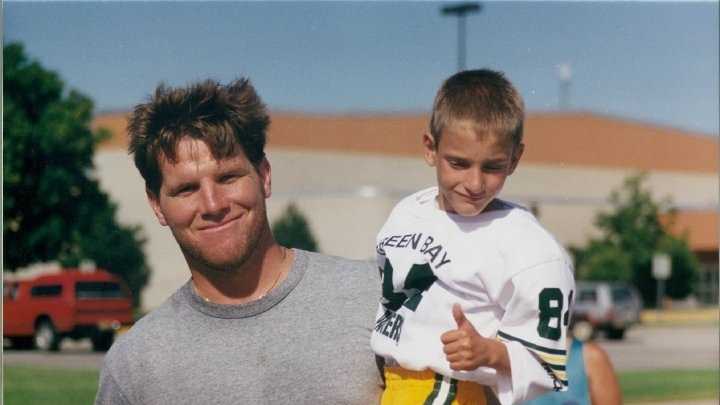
x=512, y=279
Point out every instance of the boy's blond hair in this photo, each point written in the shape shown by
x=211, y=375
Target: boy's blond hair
x=484, y=97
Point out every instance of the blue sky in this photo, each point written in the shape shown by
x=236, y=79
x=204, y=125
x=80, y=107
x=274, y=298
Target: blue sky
x=653, y=62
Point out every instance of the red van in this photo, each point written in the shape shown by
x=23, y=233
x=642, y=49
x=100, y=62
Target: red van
x=72, y=303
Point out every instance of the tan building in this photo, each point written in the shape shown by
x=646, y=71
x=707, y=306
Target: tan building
x=346, y=172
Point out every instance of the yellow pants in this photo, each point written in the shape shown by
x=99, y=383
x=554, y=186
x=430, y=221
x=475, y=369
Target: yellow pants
x=405, y=387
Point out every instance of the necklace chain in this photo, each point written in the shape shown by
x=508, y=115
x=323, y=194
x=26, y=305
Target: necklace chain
x=277, y=278
x=261, y=296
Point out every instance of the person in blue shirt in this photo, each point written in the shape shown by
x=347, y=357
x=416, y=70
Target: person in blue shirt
x=591, y=377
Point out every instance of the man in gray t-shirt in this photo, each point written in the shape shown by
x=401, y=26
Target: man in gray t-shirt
x=256, y=322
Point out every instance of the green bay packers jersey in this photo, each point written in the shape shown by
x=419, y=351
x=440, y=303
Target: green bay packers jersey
x=512, y=279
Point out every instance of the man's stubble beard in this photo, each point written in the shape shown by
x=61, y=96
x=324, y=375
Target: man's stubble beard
x=256, y=233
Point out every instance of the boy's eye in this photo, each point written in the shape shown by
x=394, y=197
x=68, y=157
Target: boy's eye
x=495, y=168
x=458, y=164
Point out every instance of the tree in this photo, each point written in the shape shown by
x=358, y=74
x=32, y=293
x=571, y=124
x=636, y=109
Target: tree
x=685, y=267
x=631, y=234
x=292, y=230
x=603, y=261
x=53, y=207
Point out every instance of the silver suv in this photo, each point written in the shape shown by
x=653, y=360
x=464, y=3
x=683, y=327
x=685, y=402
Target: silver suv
x=605, y=306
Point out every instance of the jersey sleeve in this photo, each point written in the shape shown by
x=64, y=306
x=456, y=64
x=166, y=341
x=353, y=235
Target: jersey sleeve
x=534, y=330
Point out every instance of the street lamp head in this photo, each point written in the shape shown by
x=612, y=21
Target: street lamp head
x=564, y=71
x=461, y=8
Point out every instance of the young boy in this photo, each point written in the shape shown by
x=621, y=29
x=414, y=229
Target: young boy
x=475, y=292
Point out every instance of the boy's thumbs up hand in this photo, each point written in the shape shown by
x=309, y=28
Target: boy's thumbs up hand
x=460, y=320
x=466, y=349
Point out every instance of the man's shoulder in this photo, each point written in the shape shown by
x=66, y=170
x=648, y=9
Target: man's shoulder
x=147, y=331
x=321, y=260
x=346, y=287
x=340, y=271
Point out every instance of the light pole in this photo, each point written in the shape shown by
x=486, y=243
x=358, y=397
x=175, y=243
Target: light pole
x=565, y=76
x=461, y=10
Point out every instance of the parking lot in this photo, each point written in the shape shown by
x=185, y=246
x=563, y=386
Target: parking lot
x=665, y=347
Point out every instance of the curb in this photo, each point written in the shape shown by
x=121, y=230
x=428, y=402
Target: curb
x=705, y=315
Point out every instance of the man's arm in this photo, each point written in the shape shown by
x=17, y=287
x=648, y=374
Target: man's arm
x=109, y=391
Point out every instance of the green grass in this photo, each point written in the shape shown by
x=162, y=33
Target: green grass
x=37, y=386
x=656, y=385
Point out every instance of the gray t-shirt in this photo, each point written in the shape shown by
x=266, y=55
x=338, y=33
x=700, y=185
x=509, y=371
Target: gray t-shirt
x=306, y=342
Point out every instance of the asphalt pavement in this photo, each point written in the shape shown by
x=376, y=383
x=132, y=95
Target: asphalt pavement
x=665, y=347
x=73, y=354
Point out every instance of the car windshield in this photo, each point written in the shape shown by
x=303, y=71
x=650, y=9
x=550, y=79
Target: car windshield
x=51, y=290
x=98, y=289
x=621, y=294
x=587, y=296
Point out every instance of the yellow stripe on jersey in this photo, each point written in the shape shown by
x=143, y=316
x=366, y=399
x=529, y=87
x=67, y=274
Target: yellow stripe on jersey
x=552, y=360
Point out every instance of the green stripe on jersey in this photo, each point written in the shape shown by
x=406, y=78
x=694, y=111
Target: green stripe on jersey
x=532, y=345
x=453, y=392
x=436, y=390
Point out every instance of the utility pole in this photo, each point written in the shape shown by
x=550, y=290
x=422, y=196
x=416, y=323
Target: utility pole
x=460, y=10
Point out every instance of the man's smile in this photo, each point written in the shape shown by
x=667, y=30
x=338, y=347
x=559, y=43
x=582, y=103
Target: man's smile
x=220, y=226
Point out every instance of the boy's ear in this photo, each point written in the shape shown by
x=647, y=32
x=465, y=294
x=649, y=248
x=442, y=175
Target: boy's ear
x=430, y=149
x=517, y=154
x=155, y=205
